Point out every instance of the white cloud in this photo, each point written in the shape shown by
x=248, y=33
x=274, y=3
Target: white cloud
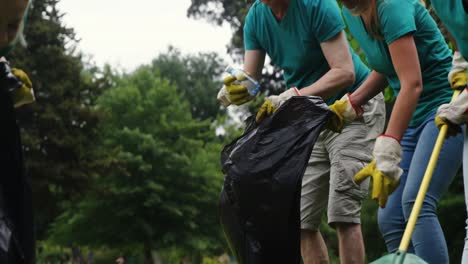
x=131, y=33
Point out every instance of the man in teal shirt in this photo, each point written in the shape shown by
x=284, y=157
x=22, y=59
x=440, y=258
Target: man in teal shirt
x=405, y=49
x=305, y=38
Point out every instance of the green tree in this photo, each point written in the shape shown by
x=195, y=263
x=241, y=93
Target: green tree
x=163, y=185
x=59, y=130
x=224, y=11
x=197, y=77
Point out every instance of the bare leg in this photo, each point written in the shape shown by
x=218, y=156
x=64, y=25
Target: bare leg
x=313, y=248
x=351, y=243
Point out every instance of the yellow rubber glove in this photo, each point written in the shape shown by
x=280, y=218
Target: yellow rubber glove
x=458, y=75
x=453, y=114
x=452, y=129
x=344, y=113
x=266, y=110
x=25, y=93
x=384, y=169
x=233, y=92
x=382, y=185
x=272, y=103
x=459, y=80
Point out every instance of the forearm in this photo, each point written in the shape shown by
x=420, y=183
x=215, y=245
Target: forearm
x=333, y=82
x=253, y=63
x=373, y=85
x=403, y=110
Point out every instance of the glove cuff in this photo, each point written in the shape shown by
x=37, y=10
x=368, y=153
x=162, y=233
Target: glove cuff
x=387, y=155
x=390, y=136
x=459, y=61
x=358, y=110
x=284, y=96
x=456, y=111
x=298, y=93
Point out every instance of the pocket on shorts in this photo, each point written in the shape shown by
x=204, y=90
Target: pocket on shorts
x=374, y=115
x=349, y=164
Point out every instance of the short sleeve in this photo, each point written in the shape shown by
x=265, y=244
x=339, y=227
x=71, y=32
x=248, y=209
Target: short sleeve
x=250, y=38
x=326, y=19
x=397, y=19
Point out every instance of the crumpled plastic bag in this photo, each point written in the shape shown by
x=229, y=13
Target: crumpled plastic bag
x=260, y=200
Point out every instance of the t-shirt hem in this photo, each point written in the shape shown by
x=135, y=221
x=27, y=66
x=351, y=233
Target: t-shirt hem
x=400, y=34
x=331, y=34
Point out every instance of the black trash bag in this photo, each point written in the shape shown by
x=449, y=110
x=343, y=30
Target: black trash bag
x=17, y=244
x=260, y=199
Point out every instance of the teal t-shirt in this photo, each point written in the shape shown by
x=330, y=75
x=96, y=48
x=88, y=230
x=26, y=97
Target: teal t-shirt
x=455, y=17
x=398, y=18
x=294, y=43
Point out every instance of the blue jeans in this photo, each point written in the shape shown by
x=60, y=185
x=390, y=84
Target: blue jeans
x=428, y=240
x=465, y=183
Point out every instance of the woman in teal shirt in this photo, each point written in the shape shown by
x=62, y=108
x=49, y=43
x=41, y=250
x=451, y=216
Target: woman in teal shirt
x=404, y=47
x=454, y=14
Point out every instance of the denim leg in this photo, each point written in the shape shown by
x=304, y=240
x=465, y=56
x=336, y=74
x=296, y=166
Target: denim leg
x=428, y=239
x=391, y=219
x=465, y=183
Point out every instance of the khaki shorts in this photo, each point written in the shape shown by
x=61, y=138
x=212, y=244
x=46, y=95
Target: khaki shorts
x=335, y=159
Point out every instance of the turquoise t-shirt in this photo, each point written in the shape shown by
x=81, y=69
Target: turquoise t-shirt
x=294, y=43
x=455, y=17
x=398, y=18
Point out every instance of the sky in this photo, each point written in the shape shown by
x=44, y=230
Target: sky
x=126, y=36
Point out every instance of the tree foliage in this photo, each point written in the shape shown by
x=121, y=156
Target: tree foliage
x=162, y=187
x=196, y=77
x=59, y=129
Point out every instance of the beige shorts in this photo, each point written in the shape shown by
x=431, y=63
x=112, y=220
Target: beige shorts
x=335, y=159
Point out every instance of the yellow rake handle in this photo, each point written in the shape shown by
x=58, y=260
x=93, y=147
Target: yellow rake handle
x=424, y=186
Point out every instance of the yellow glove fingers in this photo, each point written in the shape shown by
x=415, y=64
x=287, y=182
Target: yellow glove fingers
x=261, y=115
x=24, y=94
x=265, y=111
x=439, y=122
x=335, y=124
x=459, y=80
x=383, y=200
x=22, y=76
x=339, y=107
x=393, y=186
x=377, y=187
x=240, y=101
x=238, y=97
x=387, y=188
x=236, y=90
x=452, y=130
x=364, y=173
x=229, y=79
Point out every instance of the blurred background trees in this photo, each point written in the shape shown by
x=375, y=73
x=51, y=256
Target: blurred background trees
x=128, y=163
